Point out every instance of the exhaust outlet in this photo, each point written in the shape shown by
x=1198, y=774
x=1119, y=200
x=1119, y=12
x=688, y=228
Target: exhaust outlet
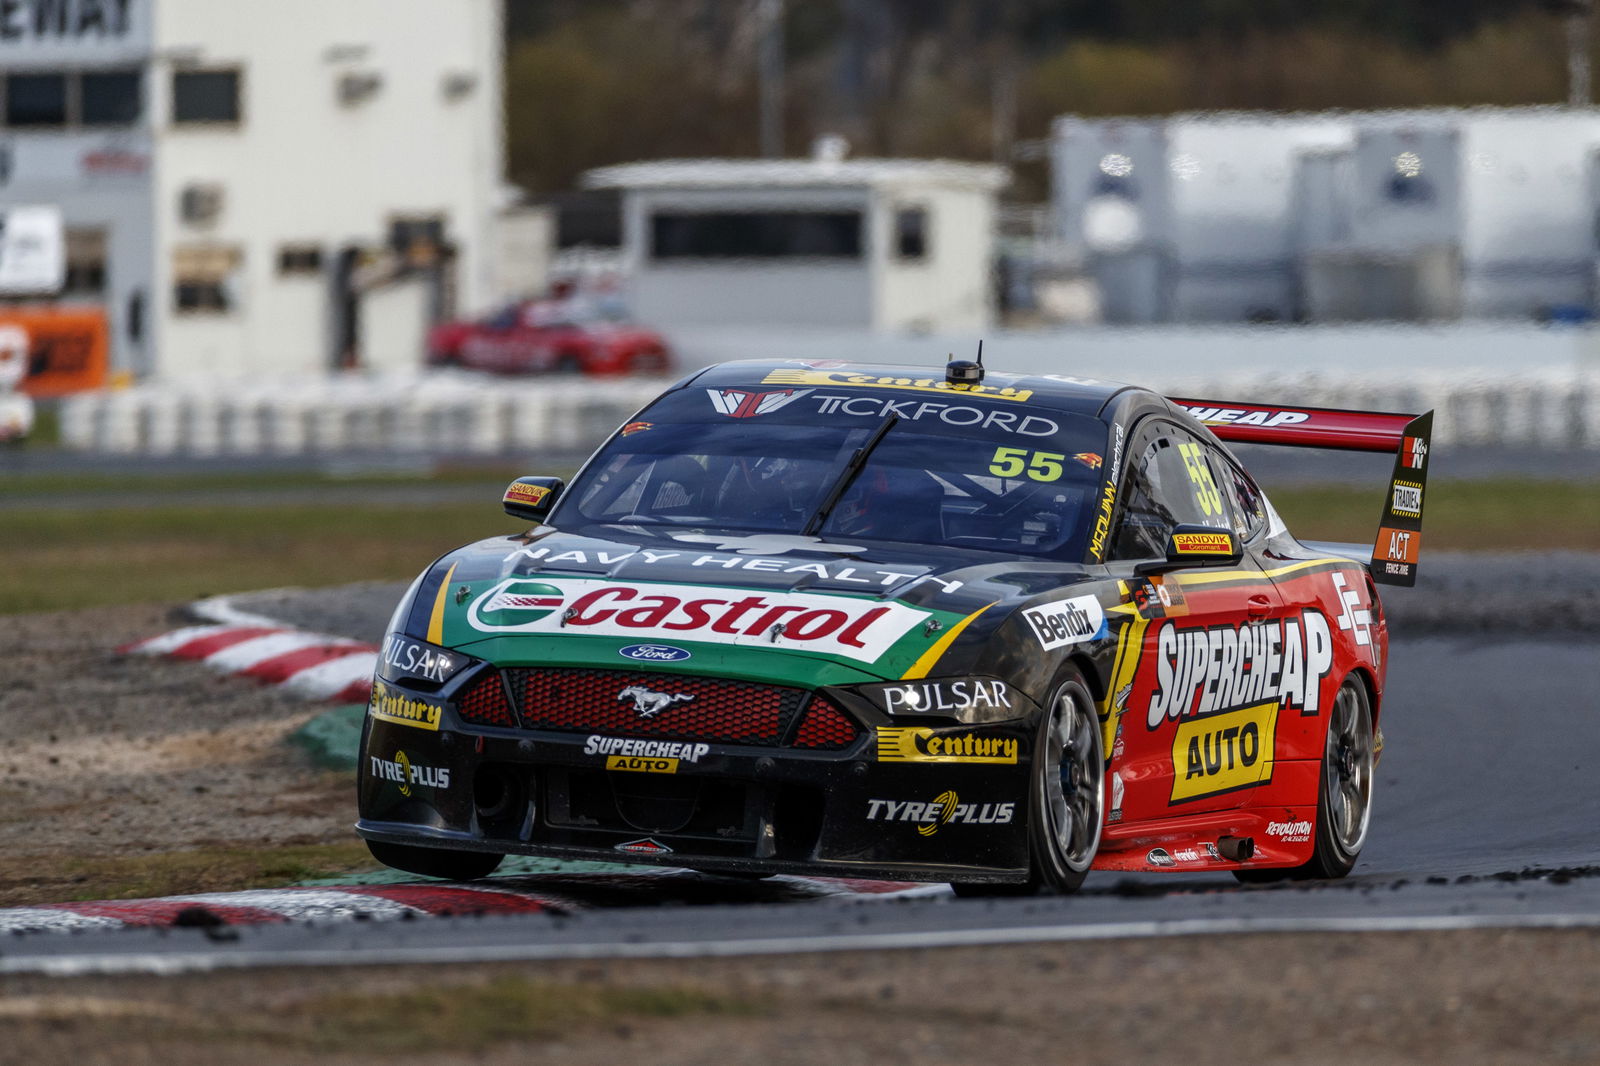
x=1236, y=849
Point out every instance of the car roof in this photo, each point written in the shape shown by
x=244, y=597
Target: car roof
x=1063, y=393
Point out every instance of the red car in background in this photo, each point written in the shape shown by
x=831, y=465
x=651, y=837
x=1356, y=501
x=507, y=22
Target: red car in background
x=560, y=336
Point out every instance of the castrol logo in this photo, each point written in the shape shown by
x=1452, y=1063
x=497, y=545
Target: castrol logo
x=850, y=627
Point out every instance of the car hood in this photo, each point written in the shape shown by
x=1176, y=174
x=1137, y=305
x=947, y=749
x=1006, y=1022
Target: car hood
x=756, y=605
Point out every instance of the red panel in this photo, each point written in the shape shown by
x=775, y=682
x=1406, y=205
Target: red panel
x=1307, y=427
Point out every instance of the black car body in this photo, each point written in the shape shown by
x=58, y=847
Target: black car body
x=866, y=621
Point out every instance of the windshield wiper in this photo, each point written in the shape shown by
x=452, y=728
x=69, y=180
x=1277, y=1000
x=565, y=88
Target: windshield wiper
x=847, y=475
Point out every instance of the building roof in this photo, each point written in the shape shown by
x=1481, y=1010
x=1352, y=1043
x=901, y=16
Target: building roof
x=795, y=173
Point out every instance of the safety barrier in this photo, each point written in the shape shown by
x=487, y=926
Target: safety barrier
x=468, y=415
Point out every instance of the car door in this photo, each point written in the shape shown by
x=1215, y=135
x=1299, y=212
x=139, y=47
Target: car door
x=1187, y=730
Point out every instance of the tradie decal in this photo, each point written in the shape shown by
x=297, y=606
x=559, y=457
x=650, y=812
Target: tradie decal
x=741, y=403
x=1208, y=670
x=844, y=626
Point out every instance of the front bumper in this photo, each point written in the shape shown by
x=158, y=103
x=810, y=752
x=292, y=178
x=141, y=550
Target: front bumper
x=708, y=806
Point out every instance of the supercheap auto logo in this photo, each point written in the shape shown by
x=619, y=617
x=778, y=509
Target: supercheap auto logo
x=1205, y=670
x=849, y=627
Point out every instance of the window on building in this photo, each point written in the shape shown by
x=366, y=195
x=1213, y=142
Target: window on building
x=203, y=279
x=86, y=263
x=36, y=99
x=911, y=233
x=417, y=240
x=110, y=98
x=300, y=259
x=756, y=235
x=205, y=96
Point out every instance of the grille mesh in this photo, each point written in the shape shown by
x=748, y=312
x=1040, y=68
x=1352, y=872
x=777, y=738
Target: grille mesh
x=825, y=726
x=730, y=712
x=486, y=704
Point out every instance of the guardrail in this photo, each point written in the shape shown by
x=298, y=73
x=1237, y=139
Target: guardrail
x=463, y=414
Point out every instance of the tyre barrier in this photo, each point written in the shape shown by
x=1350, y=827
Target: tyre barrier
x=1555, y=409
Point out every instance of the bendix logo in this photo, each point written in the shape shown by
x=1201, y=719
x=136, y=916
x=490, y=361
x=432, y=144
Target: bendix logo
x=846, y=626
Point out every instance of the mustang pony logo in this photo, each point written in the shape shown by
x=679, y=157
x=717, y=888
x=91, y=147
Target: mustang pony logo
x=649, y=704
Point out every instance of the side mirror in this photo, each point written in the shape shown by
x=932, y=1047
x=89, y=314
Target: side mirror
x=531, y=497
x=1193, y=545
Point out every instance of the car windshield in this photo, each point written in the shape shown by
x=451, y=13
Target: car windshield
x=950, y=470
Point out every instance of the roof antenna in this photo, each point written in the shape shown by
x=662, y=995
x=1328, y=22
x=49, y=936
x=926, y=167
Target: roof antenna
x=964, y=373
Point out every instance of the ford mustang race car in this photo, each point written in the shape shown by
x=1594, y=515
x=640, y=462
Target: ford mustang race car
x=822, y=618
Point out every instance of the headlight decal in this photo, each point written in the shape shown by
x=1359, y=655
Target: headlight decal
x=925, y=662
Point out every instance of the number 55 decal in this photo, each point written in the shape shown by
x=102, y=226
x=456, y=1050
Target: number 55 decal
x=1205, y=489
x=1040, y=466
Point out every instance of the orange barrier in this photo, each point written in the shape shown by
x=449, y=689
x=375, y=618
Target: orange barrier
x=67, y=348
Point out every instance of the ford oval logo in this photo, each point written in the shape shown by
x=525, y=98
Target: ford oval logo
x=654, y=653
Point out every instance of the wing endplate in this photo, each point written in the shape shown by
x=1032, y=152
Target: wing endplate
x=1399, y=540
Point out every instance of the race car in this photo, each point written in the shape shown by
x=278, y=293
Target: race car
x=867, y=621
x=566, y=336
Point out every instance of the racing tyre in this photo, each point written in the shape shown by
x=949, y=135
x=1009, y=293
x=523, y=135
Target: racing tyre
x=1344, y=800
x=436, y=862
x=1344, y=793
x=1066, y=795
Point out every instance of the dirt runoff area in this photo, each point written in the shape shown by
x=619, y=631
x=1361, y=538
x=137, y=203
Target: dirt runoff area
x=126, y=768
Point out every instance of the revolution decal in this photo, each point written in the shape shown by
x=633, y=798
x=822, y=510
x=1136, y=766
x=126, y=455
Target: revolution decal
x=847, y=627
x=1208, y=670
x=871, y=381
x=925, y=745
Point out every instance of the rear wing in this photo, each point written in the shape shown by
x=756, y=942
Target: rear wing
x=1399, y=539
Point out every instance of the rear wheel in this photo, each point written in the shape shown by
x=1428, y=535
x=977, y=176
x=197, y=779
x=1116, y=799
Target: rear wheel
x=1344, y=802
x=1344, y=792
x=436, y=862
x=1066, y=795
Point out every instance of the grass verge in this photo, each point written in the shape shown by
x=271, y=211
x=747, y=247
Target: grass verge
x=60, y=560
x=58, y=879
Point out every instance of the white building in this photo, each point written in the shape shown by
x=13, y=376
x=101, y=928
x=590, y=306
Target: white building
x=1429, y=214
x=867, y=244
x=274, y=188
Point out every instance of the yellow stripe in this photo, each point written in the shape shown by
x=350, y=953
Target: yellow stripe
x=436, y=620
x=1247, y=575
x=921, y=667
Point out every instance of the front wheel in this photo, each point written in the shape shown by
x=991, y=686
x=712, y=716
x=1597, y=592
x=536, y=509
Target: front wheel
x=1066, y=795
x=447, y=863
